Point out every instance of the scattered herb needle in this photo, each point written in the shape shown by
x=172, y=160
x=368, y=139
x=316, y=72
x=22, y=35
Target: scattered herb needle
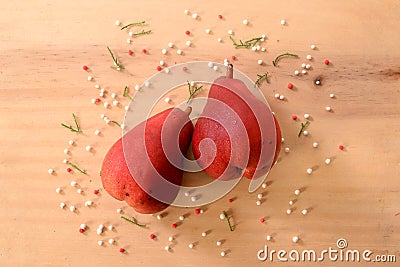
x=126, y=89
x=117, y=123
x=303, y=126
x=275, y=61
x=143, y=32
x=192, y=90
x=229, y=221
x=133, y=220
x=77, y=130
x=246, y=44
x=260, y=78
x=133, y=24
x=117, y=65
x=77, y=168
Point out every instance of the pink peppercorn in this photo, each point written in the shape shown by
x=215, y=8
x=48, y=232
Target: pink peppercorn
x=85, y=67
x=152, y=236
x=159, y=68
x=262, y=220
x=294, y=117
x=130, y=52
x=122, y=250
x=96, y=191
x=197, y=211
x=144, y=51
x=174, y=225
x=326, y=62
x=341, y=147
x=233, y=57
x=290, y=86
x=220, y=16
x=187, y=32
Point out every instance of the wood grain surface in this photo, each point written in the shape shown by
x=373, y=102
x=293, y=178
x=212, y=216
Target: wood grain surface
x=43, y=46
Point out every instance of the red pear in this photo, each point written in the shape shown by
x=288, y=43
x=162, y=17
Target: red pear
x=138, y=166
x=223, y=147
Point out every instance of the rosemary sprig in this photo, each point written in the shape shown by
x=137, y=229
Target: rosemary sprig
x=260, y=78
x=77, y=130
x=229, y=221
x=70, y=127
x=117, y=65
x=246, y=44
x=133, y=220
x=77, y=168
x=143, y=32
x=275, y=61
x=126, y=92
x=117, y=123
x=133, y=24
x=303, y=126
x=192, y=91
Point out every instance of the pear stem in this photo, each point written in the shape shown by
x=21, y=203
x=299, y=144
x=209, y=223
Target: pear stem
x=229, y=71
x=188, y=110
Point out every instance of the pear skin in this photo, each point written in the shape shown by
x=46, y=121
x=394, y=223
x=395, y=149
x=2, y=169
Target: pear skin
x=252, y=153
x=145, y=149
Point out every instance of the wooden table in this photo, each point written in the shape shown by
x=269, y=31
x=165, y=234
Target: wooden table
x=44, y=45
